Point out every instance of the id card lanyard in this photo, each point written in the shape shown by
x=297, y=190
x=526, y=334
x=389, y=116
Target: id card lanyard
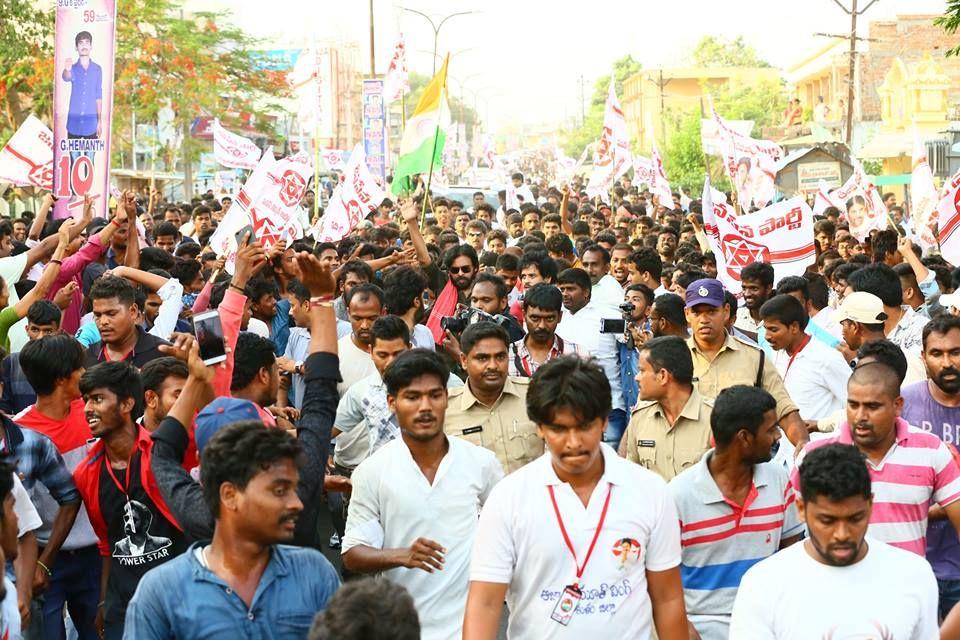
x=124, y=488
x=567, y=605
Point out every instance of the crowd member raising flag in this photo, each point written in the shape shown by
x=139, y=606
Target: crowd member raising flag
x=423, y=138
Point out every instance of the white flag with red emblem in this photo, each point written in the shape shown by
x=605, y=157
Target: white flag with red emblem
x=659, y=185
x=781, y=235
x=923, y=198
x=232, y=150
x=612, y=157
x=267, y=201
x=948, y=220
x=27, y=158
x=336, y=159
x=395, y=82
x=357, y=195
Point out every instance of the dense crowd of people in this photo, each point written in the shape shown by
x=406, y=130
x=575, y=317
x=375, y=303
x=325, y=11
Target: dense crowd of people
x=548, y=419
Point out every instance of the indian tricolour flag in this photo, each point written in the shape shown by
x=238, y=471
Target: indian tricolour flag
x=422, y=146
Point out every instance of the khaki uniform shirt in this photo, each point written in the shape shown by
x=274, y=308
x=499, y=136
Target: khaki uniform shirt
x=503, y=428
x=737, y=363
x=653, y=443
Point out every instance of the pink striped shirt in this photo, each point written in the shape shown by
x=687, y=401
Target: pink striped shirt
x=916, y=472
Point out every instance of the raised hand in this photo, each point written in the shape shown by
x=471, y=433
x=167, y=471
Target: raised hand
x=314, y=275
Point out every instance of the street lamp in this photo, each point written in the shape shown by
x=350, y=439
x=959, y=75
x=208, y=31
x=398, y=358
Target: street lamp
x=436, y=29
x=451, y=55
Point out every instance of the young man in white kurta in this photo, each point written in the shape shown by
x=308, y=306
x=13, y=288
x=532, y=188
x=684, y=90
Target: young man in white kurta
x=393, y=505
x=519, y=543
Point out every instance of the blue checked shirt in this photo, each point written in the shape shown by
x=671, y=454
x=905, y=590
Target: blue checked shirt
x=42, y=472
x=18, y=394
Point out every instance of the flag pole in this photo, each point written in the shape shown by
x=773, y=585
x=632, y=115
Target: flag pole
x=433, y=154
x=426, y=193
x=316, y=173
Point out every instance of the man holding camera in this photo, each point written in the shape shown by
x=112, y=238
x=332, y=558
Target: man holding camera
x=489, y=295
x=491, y=409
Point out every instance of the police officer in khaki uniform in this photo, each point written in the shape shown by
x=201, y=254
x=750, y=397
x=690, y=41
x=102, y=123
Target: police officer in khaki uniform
x=491, y=409
x=721, y=360
x=670, y=428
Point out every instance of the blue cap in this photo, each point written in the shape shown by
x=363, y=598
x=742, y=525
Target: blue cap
x=220, y=413
x=705, y=291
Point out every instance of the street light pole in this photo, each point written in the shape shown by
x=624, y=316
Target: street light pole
x=436, y=29
x=373, y=65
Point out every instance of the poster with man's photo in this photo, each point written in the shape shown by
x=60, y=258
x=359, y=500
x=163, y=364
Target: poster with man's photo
x=82, y=104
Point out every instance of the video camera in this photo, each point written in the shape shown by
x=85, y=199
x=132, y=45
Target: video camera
x=455, y=324
x=612, y=325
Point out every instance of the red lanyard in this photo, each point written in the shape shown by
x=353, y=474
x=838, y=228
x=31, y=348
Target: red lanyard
x=795, y=353
x=596, y=534
x=113, y=477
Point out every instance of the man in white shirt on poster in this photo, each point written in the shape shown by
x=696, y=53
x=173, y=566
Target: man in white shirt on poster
x=413, y=513
x=895, y=590
x=579, y=542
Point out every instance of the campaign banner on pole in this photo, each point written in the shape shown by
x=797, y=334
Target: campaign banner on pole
x=27, y=158
x=375, y=128
x=84, y=45
x=268, y=202
x=780, y=234
x=232, y=150
x=357, y=195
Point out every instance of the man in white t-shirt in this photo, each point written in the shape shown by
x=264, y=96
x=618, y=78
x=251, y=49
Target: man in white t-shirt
x=813, y=374
x=579, y=541
x=865, y=588
x=413, y=513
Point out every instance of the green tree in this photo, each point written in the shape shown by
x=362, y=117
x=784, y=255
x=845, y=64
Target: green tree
x=683, y=154
x=26, y=62
x=196, y=62
x=722, y=52
x=950, y=21
x=577, y=138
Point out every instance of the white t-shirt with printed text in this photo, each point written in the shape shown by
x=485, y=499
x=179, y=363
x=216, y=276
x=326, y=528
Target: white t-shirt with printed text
x=519, y=543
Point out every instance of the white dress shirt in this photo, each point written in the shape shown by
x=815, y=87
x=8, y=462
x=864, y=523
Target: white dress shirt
x=393, y=504
x=583, y=328
x=607, y=292
x=816, y=379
